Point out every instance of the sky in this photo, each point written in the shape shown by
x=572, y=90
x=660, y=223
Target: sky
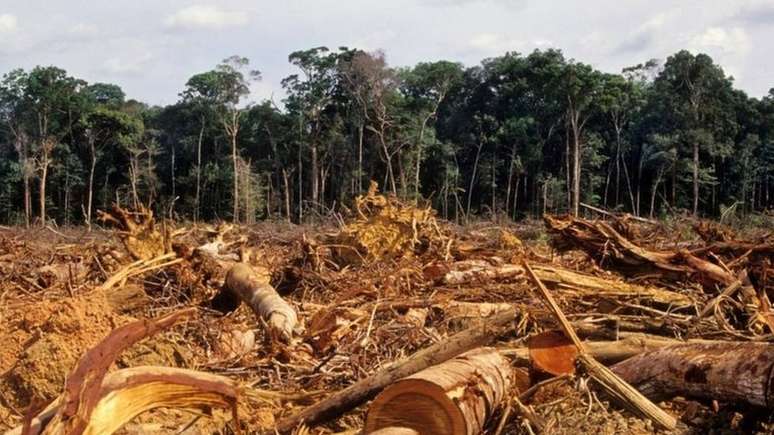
x=151, y=47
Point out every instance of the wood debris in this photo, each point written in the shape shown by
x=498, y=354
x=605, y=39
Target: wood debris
x=391, y=321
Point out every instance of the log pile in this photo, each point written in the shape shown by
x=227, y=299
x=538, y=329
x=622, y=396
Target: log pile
x=389, y=322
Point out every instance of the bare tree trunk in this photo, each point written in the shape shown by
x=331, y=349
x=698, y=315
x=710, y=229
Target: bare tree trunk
x=235, y=213
x=510, y=181
x=695, y=178
x=90, y=197
x=617, y=164
x=473, y=176
x=42, y=187
x=27, y=197
x=286, y=183
x=419, y=154
x=360, y=159
x=198, y=171
x=315, y=176
x=568, y=172
x=653, y=192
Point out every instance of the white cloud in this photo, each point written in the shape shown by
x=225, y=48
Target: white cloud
x=205, y=17
x=722, y=41
x=83, y=30
x=494, y=43
x=8, y=23
x=122, y=65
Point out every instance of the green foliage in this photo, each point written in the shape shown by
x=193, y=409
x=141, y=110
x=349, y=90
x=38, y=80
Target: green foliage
x=499, y=138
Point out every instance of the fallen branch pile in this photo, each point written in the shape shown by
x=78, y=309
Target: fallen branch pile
x=393, y=322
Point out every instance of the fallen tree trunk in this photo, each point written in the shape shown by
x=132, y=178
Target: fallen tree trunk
x=476, y=336
x=603, y=243
x=563, y=280
x=455, y=397
x=254, y=290
x=727, y=371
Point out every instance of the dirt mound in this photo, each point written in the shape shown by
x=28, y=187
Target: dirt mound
x=43, y=341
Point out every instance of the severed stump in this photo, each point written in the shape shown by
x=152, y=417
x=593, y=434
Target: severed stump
x=455, y=397
x=726, y=371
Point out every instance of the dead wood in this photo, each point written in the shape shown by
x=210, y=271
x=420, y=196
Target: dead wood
x=457, y=396
x=612, y=384
x=253, y=288
x=83, y=386
x=138, y=232
x=127, y=393
x=726, y=371
x=605, y=244
x=476, y=336
x=563, y=280
x=394, y=430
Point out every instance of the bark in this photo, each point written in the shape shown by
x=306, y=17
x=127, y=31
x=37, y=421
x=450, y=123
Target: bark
x=254, y=289
x=455, y=397
x=727, y=371
x=286, y=185
x=197, y=197
x=127, y=393
x=84, y=386
x=473, y=176
x=695, y=178
x=565, y=281
x=360, y=159
x=92, y=168
x=604, y=243
x=42, y=191
x=233, y=135
x=476, y=336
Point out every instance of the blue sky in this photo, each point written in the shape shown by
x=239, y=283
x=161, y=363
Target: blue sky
x=151, y=47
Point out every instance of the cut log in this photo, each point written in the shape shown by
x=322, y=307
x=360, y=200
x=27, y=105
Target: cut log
x=394, y=430
x=253, y=288
x=456, y=397
x=476, y=336
x=726, y=371
x=552, y=353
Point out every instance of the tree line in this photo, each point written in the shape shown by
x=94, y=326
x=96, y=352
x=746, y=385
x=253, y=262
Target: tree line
x=518, y=135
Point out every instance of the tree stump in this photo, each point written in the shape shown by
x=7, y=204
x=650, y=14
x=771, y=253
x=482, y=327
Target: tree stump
x=456, y=397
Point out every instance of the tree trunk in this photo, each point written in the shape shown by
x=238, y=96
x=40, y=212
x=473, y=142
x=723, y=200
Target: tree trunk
x=315, y=176
x=695, y=178
x=510, y=181
x=90, y=197
x=253, y=289
x=197, y=198
x=235, y=213
x=617, y=164
x=725, y=371
x=360, y=159
x=42, y=187
x=286, y=185
x=419, y=154
x=473, y=177
x=455, y=397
